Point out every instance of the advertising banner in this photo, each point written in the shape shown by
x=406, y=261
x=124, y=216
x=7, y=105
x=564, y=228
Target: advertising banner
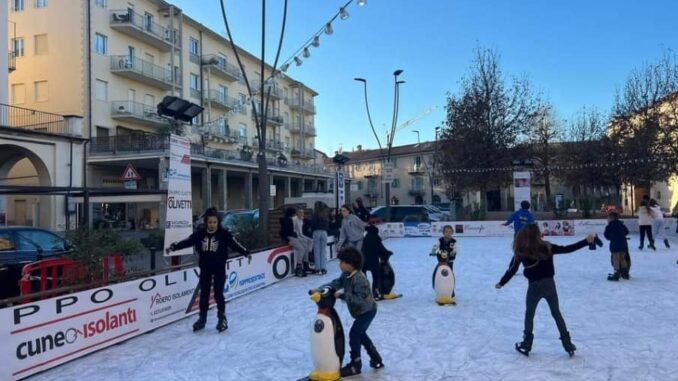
x=41, y=335
x=521, y=188
x=3, y=211
x=179, y=217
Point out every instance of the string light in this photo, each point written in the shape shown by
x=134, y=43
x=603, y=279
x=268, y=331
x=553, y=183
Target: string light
x=661, y=160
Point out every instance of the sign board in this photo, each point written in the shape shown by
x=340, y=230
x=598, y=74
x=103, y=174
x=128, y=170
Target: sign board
x=178, y=220
x=341, y=189
x=521, y=188
x=273, y=190
x=130, y=184
x=354, y=187
x=130, y=173
x=388, y=172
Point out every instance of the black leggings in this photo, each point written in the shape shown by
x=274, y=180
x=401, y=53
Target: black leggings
x=646, y=229
x=543, y=288
x=376, y=278
x=206, y=275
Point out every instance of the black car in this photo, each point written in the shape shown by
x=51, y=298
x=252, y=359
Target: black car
x=23, y=245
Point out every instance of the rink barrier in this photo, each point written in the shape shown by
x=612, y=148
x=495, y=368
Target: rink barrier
x=44, y=334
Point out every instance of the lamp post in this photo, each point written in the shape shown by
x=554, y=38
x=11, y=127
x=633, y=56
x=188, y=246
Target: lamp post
x=433, y=162
x=389, y=136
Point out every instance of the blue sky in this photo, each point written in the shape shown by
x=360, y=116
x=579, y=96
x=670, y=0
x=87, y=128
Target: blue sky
x=576, y=52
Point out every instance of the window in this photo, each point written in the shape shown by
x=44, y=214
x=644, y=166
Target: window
x=40, y=44
x=102, y=132
x=222, y=60
x=41, y=3
x=18, y=44
x=18, y=93
x=101, y=90
x=101, y=44
x=193, y=46
x=360, y=185
x=131, y=53
x=242, y=131
x=395, y=183
x=148, y=21
x=35, y=239
x=41, y=91
x=223, y=93
x=18, y=5
x=101, y=3
x=243, y=107
x=149, y=100
x=195, y=85
x=196, y=120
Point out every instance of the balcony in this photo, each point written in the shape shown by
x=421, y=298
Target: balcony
x=137, y=26
x=271, y=145
x=220, y=100
x=35, y=121
x=129, y=144
x=296, y=128
x=296, y=104
x=417, y=170
x=142, y=71
x=276, y=91
x=272, y=116
x=137, y=113
x=219, y=67
x=302, y=154
x=372, y=172
x=417, y=191
x=11, y=61
x=240, y=157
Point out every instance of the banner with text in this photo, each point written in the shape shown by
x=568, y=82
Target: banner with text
x=179, y=217
x=521, y=188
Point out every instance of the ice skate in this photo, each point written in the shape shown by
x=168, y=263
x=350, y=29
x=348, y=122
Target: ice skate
x=199, y=324
x=375, y=358
x=352, y=368
x=222, y=324
x=525, y=346
x=567, y=344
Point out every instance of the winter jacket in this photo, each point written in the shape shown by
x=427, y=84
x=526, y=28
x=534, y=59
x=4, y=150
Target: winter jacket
x=362, y=213
x=319, y=223
x=541, y=268
x=373, y=249
x=644, y=216
x=616, y=233
x=657, y=213
x=352, y=229
x=212, y=248
x=287, y=229
x=357, y=292
x=448, y=246
x=520, y=218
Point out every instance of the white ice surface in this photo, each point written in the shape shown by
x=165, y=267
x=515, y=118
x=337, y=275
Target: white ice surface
x=623, y=331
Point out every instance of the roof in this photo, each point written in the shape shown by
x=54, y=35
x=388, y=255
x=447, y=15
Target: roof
x=406, y=150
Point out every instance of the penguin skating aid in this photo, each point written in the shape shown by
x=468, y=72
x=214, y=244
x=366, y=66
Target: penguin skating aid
x=443, y=280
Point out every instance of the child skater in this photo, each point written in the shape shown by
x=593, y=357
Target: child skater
x=447, y=247
x=211, y=243
x=353, y=286
x=616, y=233
x=374, y=253
x=536, y=255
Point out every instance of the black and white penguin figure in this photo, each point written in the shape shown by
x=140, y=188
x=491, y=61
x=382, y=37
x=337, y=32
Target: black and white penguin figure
x=443, y=276
x=327, y=338
x=387, y=279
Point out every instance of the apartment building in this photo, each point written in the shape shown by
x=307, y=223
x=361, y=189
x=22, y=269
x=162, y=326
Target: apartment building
x=113, y=61
x=414, y=178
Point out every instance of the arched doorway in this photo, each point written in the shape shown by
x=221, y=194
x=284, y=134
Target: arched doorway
x=20, y=166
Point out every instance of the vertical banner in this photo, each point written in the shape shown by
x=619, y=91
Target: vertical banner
x=179, y=220
x=341, y=191
x=3, y=210
x=521, y=188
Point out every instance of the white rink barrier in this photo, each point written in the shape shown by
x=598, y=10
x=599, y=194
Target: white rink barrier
x=41, y=335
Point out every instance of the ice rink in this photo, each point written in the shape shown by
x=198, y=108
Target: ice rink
x=623, y=330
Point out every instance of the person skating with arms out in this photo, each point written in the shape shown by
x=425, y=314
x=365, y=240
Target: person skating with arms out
x=520, y=217
x=212, y=244
x=536, y=256
x=353, y=287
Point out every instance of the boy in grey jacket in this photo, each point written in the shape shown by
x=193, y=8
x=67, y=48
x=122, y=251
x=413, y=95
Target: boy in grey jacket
x=353, y=286
x=352, y=229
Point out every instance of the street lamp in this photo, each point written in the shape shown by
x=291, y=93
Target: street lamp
x=389, y=137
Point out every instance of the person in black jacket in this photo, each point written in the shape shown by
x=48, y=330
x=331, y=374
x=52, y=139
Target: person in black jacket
x=446, y=250
x=374, y=252
x=360, y=210
x=616, y=233
x=211, y=243
x=536, y=255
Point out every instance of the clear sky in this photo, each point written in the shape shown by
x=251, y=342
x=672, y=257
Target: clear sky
x=575, y=52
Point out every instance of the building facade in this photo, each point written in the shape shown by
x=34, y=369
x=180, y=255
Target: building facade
x=113, y=61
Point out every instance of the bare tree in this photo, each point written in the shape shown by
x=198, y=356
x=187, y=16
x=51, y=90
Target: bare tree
x=545, y=130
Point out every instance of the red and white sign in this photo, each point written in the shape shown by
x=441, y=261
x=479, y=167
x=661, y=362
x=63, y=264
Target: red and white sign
x=130, y=173
x=41, y=335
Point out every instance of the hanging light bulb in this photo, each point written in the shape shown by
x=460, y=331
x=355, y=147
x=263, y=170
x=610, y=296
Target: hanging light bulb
x=316, y=41
x=362, y=2
x=298, y=61
x=284, y=67
x=328, y=28
x=343, y=14
x=307, y=53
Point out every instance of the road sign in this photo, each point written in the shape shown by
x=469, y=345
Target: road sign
x=388, y=173
x=130, y=173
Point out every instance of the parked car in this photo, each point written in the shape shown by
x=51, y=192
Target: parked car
x=23, y=245
x=444, y=206
x=234, y=217
x=404, y=213
x=436, y=213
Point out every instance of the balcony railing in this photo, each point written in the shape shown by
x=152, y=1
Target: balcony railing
x=219, y=99
x=295, y=103
x=298, y=128
x=272, y=144
x=276, y=91
x=11, y=61
x=417, y=191
x=140, y=27
x=27, y=119
x=137, y=112
x=417, y=169
x=144, y=71
x=221, y=67
x=272, y=116
x=128, y=144
x=302, y=154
